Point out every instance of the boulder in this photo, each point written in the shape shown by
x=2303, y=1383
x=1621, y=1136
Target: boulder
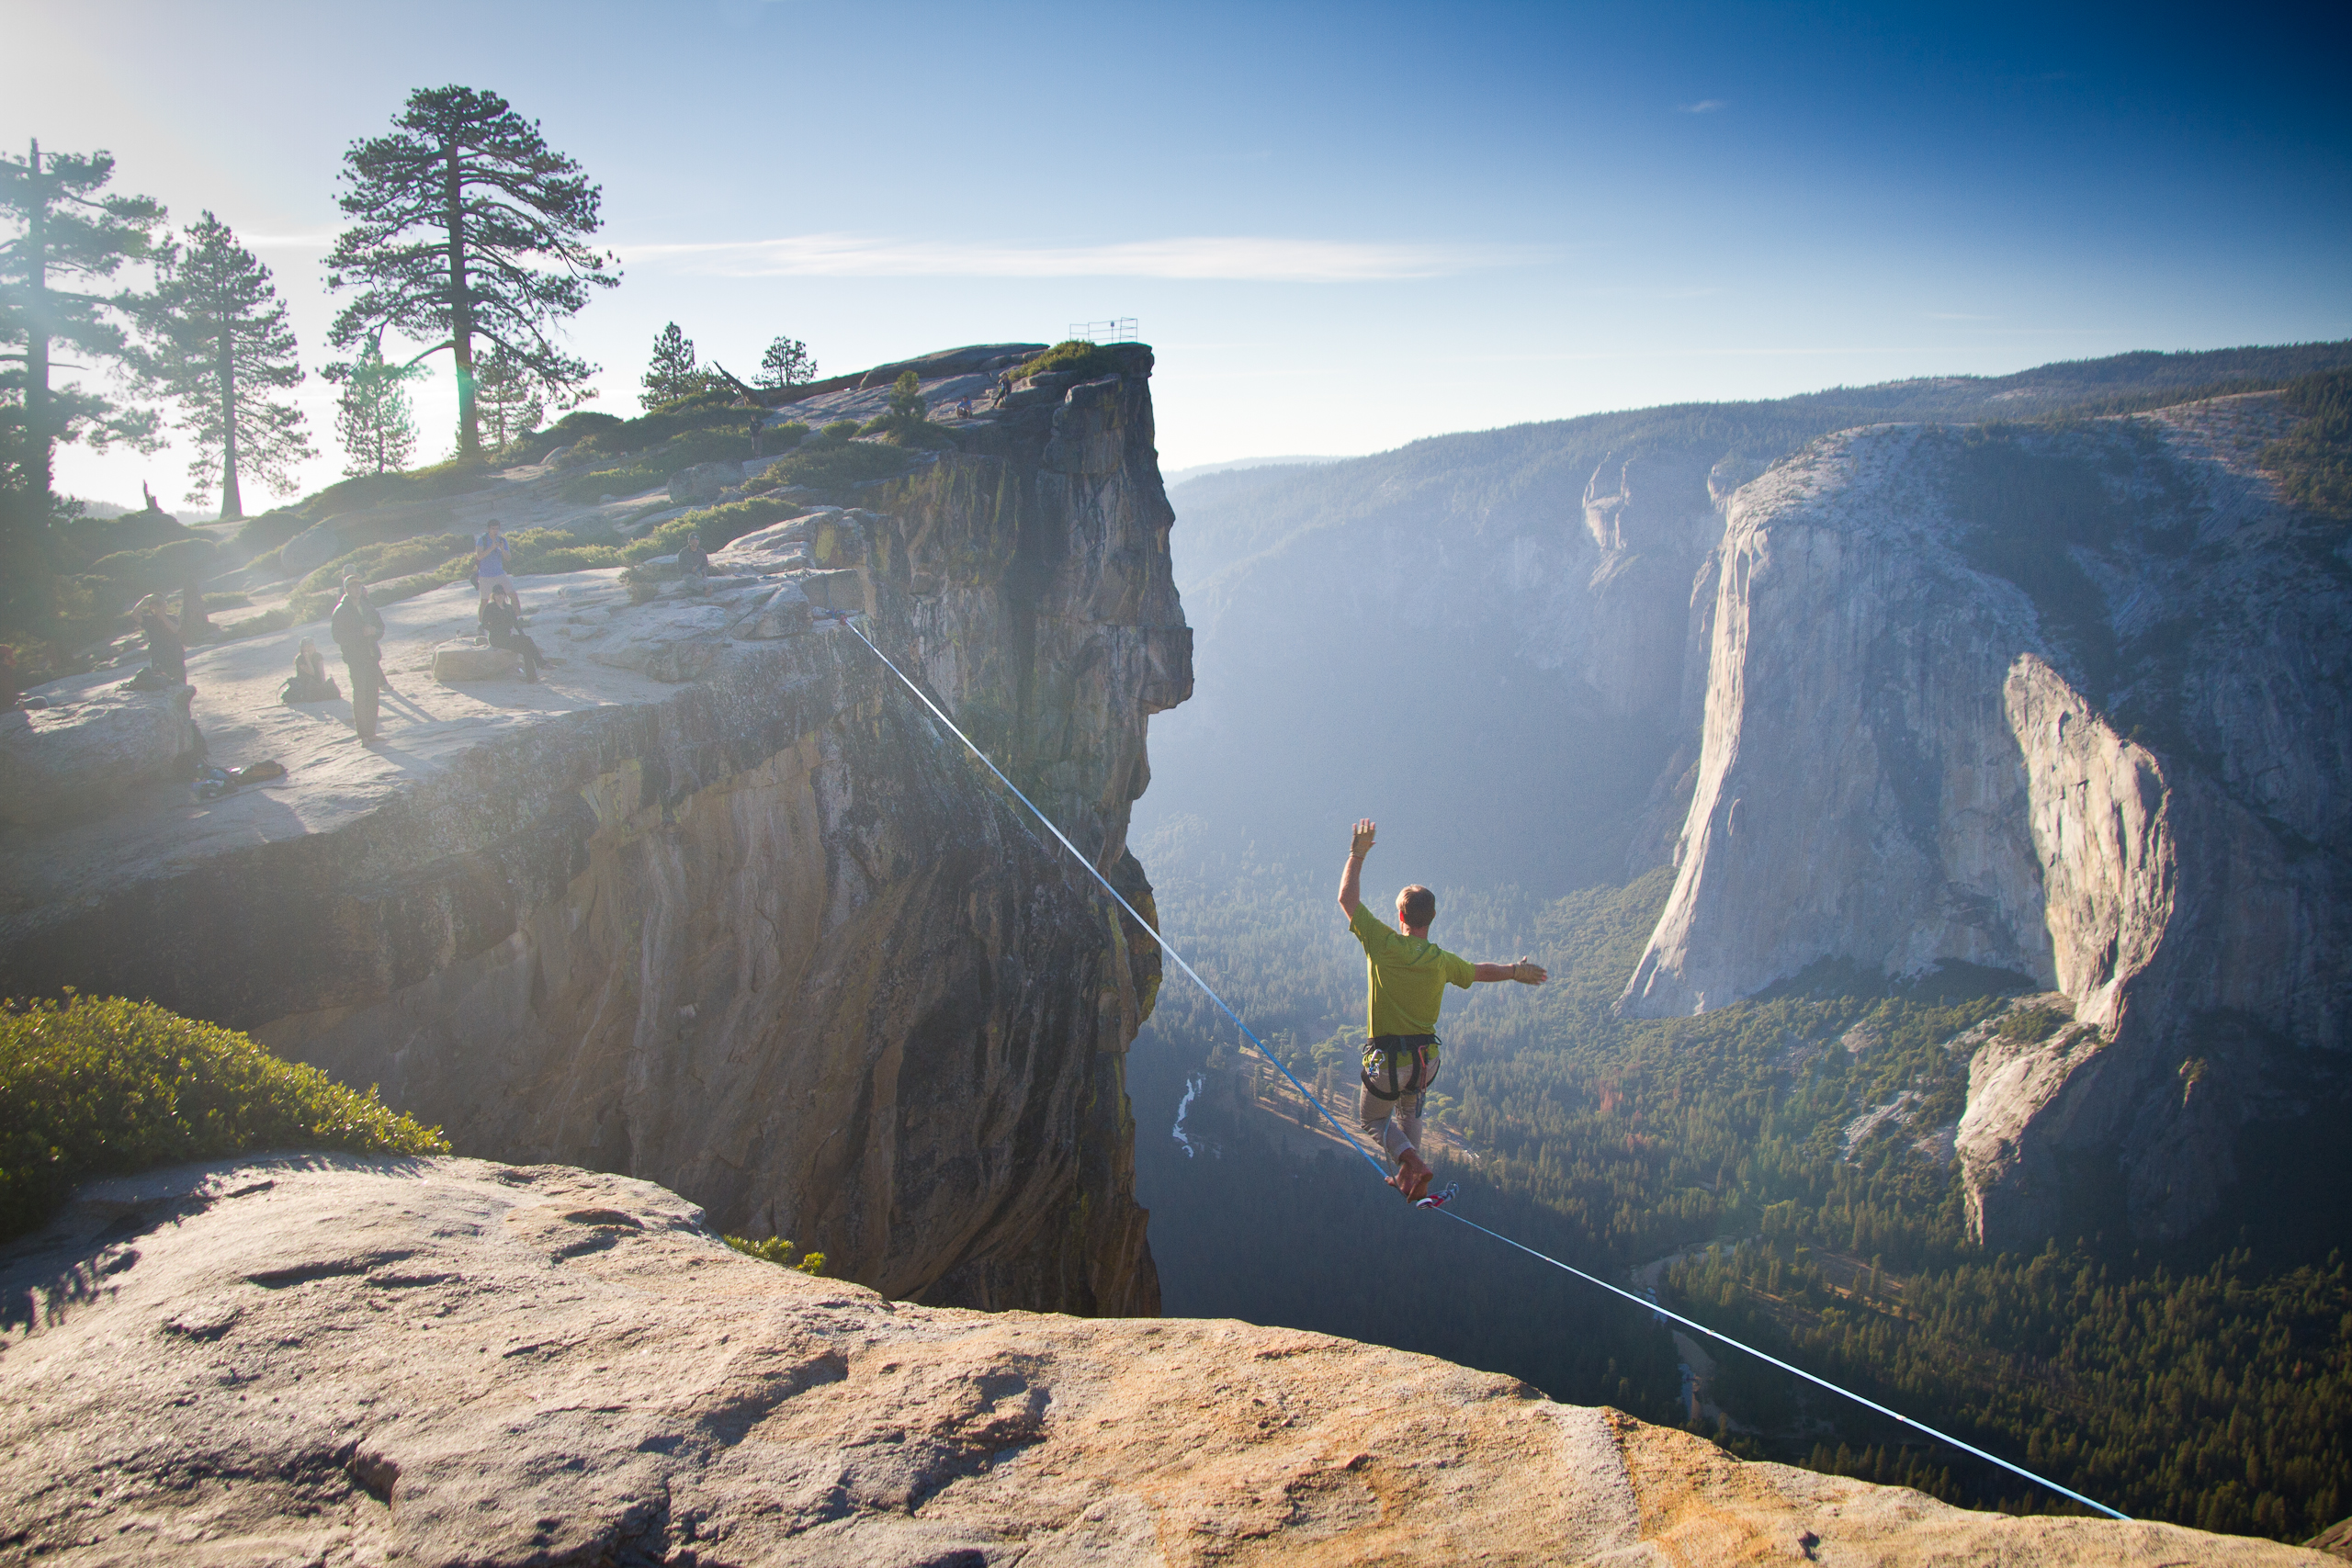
x=1090, y=435
x=312, y=548
x=835, y=591
x=62, y=764
x=704, y=481
x=467, y=661
x=782, y=614
x=332, y=1359
x=677, y=641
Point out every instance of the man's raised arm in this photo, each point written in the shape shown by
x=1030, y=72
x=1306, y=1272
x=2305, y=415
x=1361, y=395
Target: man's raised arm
x=1523, y=972
x=1351, y=879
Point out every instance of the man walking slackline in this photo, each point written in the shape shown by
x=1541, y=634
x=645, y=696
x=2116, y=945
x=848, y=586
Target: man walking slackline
x=1405, y=978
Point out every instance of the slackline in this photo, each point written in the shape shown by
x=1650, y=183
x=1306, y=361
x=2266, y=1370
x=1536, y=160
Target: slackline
x=1447, y=1210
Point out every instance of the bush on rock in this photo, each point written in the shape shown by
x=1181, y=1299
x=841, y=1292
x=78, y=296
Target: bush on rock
x=102, y=1085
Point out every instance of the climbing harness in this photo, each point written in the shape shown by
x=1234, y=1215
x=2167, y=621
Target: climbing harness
x=1392, y=1049
x=1442, y=1203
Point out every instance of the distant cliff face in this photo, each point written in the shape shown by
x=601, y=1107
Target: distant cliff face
x=2065, y=703
x=755, y=928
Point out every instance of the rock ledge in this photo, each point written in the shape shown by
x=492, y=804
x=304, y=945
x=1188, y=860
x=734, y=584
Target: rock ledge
x=337, y=1360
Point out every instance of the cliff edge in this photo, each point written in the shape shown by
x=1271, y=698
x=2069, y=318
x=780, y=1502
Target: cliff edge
x=341, y=1360
x=718, y=905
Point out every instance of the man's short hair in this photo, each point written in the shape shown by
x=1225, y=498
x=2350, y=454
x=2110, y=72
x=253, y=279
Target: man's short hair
x=1417, y=904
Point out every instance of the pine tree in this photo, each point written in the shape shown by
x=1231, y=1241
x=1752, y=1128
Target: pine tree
x=906, y=397
x=372, y=417
x=450, y=212
x=510, y=406
x=788, y=363
x=67, y=233
x=221, y=344
x=672, y=374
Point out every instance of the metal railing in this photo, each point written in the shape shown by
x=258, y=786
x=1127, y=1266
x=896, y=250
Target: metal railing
x=1120, y=330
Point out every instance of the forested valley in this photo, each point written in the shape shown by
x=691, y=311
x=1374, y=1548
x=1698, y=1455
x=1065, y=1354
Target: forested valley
x=1791, y=1156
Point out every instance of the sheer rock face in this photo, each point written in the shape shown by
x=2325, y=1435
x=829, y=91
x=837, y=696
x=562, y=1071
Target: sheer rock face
x=2066, y=703
x=344, y=1361
x=768, y=936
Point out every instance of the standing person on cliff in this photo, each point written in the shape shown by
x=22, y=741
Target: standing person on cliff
x=1406, y=974
x=358, y=630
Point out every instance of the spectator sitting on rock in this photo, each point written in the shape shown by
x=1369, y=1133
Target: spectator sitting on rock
x=166, y=655
x=503, y=620
x=693, y=559
x=310, y=682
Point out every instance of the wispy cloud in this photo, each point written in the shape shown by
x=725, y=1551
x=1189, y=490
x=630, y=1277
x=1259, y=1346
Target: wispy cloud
x=1205, y=258
x=317, y=242
x=1704, y=106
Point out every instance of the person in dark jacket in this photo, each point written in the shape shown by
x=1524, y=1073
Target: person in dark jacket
x=166, y=655
x=501, y=618
x=358, y=630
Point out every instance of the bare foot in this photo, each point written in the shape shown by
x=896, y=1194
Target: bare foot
x=1413, y=1176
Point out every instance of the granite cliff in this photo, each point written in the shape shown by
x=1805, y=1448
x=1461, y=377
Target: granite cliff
x=2063, y=702
x=718, y=906
x=342, y=1361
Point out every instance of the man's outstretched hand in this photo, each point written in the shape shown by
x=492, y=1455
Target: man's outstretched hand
x=1528, y=974
x=1359, y=842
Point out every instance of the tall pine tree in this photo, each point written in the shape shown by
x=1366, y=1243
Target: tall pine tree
x=672, y=374
x=468, y=227
x=372, y=417
x=71, y=240
x=220, y=346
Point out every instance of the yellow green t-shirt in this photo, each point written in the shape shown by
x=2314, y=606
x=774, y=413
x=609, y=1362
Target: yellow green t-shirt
x=1405, y=975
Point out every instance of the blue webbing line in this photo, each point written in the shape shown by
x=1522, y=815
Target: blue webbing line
x=1446, y=1209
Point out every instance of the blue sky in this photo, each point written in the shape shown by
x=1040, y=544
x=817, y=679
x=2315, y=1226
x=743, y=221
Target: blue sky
x=1343, y=227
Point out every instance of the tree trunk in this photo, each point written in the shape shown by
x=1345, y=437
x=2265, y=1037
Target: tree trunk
x=233, y=505
x=37, y=400
x=461, y=311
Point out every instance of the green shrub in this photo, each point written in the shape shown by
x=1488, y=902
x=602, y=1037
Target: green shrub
x=835, y=465
x=784, y=437
x=104, y=1085
x=268, y=621
x=1085, y=361
x=778, y=1251
x=271, y=529
x=543, y=551
x=2032, y=1025
x=226, y=601
x=455, y=477
x=129, y=571
x=696, y=413
x=578, y=426
x=839, y=431
x=372, y=563
x=716, y=524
